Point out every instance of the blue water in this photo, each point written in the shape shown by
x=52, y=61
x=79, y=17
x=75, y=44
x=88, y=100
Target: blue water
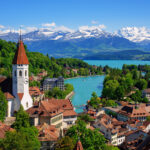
x=84, y=86
x=116, y=63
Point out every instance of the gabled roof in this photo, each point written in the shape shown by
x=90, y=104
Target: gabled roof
x=20, y=55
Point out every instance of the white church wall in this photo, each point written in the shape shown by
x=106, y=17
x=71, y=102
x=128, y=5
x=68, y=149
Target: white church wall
x=26, y=101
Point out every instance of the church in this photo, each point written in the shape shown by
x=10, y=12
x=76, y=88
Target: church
x=17, y=92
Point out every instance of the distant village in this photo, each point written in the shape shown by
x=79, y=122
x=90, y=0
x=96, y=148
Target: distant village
x=126, y=125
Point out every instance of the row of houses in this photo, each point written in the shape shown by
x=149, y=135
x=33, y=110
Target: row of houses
x=125, y=126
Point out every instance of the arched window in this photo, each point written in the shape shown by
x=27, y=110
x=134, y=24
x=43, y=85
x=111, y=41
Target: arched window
x=25, y=72
x=20, y=73
x=27, y=104
x=15, y=73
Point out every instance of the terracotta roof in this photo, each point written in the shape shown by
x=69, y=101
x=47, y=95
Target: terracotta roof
x=34, y=91
x=8, y=95
x=52, y=107
x=48, y=132
x=3, y=129
x=69, y=113
x=20, y=55
x=134, y=111
x=78, y=146
x=44, y=108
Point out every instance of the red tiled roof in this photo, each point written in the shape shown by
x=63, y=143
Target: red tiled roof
x=34, y=91
x=20, y=95
x=47, y=132
x=69, y=113
x=79, y=146
x=3, y=129
x=20, y=55
x=52, y=107
x=8, y=95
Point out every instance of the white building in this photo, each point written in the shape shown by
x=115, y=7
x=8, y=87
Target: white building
x=17, y=90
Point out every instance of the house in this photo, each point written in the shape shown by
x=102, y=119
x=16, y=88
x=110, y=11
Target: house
x=111, y=129
x=45, y=112
x=53, y=112
x=133, y=112
x=146, y=93
x=50, y=83
x=48, y=136
x=36, y=94
x=133, y=140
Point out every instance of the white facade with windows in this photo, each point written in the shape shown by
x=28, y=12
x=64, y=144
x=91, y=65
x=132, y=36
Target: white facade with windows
x=20, y=79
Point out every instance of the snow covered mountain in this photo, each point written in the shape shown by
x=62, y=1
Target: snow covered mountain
x=135, y=34
x=49, y=34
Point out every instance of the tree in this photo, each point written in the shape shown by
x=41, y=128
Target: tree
x=110, y=148
x=141, y=84
x=90, y=140
x=94, y=101
x=22, y=119
x=120, y=93
x=65, y=143
x=85, y=117
x=3, y=106
x=24, y=139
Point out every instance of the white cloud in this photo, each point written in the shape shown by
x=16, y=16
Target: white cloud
x=1, y=27
x=53, y=24
x=63, y=28
x=98, y=27
x=94, y=22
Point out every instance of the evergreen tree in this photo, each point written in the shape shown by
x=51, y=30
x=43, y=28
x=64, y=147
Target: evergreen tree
x=3, y=106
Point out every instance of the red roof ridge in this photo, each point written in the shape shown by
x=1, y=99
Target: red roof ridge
x=20, y=55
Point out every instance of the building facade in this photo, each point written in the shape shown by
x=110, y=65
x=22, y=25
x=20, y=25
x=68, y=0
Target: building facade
x=50, y=83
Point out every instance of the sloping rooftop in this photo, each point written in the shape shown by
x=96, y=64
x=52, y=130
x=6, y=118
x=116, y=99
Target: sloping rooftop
x=20, y=55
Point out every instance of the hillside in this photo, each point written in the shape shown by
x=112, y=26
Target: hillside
x=121, y=55
x=38, y=62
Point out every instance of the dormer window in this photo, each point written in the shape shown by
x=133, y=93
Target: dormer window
x=20, y=73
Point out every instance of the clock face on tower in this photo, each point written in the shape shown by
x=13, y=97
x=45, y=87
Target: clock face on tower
x=26, y=81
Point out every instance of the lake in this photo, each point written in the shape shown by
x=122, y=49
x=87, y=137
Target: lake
x=84, y=86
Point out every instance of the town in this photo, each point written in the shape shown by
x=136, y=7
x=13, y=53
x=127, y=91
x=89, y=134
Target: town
x=120, y=123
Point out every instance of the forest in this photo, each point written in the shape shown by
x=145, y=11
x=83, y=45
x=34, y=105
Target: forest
x=38, y=61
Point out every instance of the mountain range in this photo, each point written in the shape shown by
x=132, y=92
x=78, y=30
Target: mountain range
x=87, y=42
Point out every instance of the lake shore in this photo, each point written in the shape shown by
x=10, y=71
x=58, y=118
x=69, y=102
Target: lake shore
x=84, y=76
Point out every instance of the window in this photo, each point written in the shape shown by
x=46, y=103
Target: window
x=15, y=73
x=27, y=104
x=20, y=73
x=25, y=72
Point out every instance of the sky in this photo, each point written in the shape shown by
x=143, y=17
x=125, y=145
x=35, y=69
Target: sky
x=72, y=14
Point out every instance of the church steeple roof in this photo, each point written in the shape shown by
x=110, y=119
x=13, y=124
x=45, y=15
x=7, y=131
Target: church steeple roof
x=20, y=55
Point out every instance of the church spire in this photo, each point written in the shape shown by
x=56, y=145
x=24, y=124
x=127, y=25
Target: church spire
x=20, y=55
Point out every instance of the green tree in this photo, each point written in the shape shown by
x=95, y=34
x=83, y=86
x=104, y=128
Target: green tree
x=26, y=138
x=65, y=143
x=22, y=119
x=120, y=93
x=90, y=140
x=141, y=84
x=85, y=117
x=94, y=101
x=3, y=106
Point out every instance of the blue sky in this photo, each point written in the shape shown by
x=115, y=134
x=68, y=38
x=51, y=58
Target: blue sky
x=114, y=14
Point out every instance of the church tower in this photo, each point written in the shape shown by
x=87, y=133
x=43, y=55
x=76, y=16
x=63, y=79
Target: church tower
x=20, y=78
